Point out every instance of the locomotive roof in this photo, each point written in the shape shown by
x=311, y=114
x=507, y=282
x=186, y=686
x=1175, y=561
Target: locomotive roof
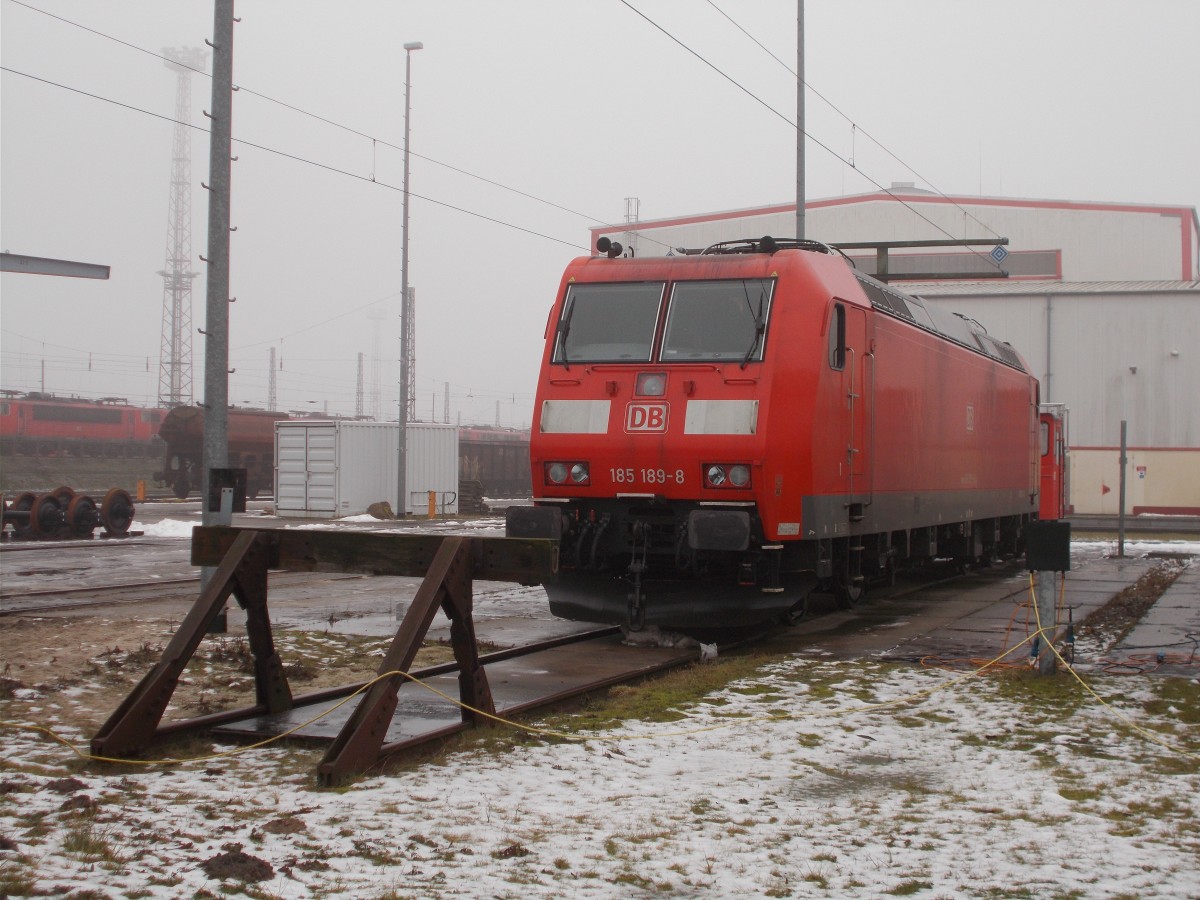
x=883, y=297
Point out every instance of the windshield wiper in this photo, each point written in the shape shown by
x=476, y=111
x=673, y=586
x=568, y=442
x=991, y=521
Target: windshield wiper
x=564, y=329
x=759, y=326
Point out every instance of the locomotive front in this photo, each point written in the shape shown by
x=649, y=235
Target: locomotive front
x=649, y=442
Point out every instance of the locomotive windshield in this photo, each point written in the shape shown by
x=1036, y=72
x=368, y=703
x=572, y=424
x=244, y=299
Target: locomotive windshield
x=608, y=323
x=717, y=320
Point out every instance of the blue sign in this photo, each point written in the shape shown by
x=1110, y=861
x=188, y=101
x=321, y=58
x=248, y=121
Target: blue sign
x=999, y=254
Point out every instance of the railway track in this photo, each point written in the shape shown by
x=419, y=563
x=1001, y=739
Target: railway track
x=14, y=601
x=523, y=679
x=121, y=543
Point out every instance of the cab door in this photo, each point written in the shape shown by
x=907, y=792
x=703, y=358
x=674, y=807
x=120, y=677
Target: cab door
x=852, y=351
x=1052, y=499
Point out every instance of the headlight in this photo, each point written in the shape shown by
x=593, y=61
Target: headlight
x=568, y=472
x=729, y=476
x=651, y=384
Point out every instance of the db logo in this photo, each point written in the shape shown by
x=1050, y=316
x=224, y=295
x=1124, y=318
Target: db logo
x=647, y=417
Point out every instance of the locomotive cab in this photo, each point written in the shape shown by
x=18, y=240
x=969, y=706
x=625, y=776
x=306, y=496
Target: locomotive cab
x=648, y=449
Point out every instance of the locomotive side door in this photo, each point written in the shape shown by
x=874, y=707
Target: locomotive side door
x=859, y=380
x=1052, y=503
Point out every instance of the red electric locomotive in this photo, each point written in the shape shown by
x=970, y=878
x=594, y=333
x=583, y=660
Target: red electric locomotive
x=717, y=434
x=45, y=425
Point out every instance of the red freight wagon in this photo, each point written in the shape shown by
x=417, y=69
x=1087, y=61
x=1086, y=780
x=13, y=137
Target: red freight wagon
x=251, y=436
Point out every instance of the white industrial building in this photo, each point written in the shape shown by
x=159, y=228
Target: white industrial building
x=1102, y=300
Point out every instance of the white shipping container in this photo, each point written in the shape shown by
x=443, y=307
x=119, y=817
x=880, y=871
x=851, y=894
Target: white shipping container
x=332, y=469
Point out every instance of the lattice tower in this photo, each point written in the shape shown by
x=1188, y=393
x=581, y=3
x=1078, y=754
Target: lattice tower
x=410, y=310
x=632, y=209
x=175, y=354
x=358, y=393
x=375, y=402
x=271, y=397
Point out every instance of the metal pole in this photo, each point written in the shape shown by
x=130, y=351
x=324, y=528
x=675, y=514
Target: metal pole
x=1049, y=347
x=402, y=454
x=216, y=322
x=1047, y=608
x=800, y=120
x=1121, y=496
x=216, y=325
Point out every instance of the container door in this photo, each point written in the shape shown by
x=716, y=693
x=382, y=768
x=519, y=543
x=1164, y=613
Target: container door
x=321, y=483
x=291, y=468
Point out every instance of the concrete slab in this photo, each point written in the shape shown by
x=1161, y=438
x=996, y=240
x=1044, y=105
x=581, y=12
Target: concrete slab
x=514, y=683
x=499, y=631
x=1171, y=628
x=985, y=620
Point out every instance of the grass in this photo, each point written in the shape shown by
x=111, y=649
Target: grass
x=912, y=886
x=92, y=842
x=1178, y=700
x=884, y=795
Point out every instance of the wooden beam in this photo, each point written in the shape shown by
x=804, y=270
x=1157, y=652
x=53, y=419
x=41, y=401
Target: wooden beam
x=523, y=560
x=134, y=725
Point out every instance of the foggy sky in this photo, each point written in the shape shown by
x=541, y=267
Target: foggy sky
x=578, y=104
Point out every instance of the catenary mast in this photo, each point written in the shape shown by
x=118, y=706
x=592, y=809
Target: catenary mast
x=175, y=354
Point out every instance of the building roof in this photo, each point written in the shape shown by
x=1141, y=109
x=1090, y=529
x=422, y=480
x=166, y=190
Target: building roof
x=1001, y=287
x=907, y=195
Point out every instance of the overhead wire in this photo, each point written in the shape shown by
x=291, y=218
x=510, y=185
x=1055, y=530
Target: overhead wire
x=294, y=157
x=856, y=128
x=300, y=159
x=379, y=141
x=796, y=125
x=376, y=141
x=306, y=328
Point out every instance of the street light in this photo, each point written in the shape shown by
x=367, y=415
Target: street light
x=402, y=467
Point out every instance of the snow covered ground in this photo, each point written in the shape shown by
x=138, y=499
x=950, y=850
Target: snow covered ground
x=801, y=780
x=807, y=776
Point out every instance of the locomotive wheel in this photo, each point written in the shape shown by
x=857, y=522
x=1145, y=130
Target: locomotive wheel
x=82, y=515
x=889, y=573
x=798, y=611
x=850, y=596
x=116, y=512
x=851, y=592
x=45, y=516
x=23, y=503
x=64, y=495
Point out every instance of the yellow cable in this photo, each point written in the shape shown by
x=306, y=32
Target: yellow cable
x=1144, y=732
x=544, y=732
x=222, y=754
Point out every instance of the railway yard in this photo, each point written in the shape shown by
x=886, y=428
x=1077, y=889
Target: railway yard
x=854, y=753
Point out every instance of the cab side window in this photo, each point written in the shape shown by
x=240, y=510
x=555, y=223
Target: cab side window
x=837, y=337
